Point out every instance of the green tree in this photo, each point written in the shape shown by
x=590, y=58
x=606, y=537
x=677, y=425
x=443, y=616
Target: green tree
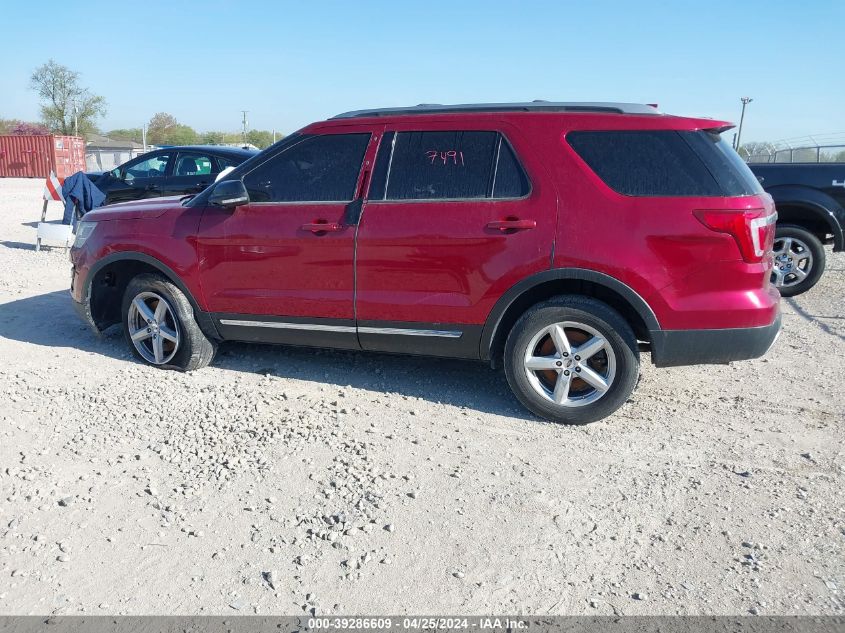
x=6, y=125
x=159, y=128
x=183, y=135
x=260, y=138
x=127, y=134
x=213, y=138
x=65, y=105
x=217, y=138
x=164, y=129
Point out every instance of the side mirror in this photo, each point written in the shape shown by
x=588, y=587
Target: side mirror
x=229, y=193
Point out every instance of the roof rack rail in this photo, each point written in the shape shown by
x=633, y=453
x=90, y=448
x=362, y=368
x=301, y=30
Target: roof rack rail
x=532, y=106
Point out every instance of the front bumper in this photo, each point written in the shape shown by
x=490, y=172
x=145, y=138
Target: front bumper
x=671, y=348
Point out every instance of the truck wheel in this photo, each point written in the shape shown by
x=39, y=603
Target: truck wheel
x=799, y=260
x=159, y=325
x=572, y=360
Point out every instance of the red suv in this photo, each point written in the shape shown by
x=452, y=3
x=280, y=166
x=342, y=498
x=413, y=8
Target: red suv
x=558, y=239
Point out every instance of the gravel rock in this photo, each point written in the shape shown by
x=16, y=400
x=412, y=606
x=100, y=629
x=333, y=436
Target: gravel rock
x=271, y=577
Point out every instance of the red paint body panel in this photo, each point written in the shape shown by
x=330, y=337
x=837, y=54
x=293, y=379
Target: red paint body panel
x=691, y=276
x=256, y=259
x=167, y=233
x=36, y=156
x=437, y=261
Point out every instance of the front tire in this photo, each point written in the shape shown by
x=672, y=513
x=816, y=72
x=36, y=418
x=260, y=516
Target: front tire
x=572, y=360
x=799, y=260
x=159, y=325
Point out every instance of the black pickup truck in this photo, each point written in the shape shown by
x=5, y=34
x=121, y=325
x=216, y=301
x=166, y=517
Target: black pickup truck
x=810, y=200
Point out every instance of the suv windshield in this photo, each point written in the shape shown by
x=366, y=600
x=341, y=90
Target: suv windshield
x=665, y=162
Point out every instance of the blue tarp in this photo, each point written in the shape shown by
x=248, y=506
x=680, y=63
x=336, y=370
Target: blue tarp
x=79, y=191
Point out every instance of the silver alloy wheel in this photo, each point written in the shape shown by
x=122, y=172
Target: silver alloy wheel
x=153, y=328
x=570, y=364
x=793, y=262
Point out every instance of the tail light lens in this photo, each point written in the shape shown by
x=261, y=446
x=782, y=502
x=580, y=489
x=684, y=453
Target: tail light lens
x=753, y=229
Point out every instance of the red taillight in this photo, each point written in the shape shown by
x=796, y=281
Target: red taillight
x=753, y=229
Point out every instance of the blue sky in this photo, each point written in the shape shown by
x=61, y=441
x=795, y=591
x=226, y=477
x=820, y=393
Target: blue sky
x=292, y=63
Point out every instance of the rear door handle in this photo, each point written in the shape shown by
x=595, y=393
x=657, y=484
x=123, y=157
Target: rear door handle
x=321, y=226
x=512, y=224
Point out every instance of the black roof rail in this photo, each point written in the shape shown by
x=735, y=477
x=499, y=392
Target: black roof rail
x=532, y=106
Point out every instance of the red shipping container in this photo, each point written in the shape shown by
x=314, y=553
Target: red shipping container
x=36, y=156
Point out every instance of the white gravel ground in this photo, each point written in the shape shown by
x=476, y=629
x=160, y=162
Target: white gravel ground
x=285, y=480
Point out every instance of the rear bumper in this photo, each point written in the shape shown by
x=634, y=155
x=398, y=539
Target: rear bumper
x=671, y=348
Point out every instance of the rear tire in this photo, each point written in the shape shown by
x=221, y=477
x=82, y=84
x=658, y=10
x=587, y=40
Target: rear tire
x=799, y=260
x=159, y=325
x=552, y=379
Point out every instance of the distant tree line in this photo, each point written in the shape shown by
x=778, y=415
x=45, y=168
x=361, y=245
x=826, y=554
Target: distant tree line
x=164, y=129
x=69, y=108
x=22, y=128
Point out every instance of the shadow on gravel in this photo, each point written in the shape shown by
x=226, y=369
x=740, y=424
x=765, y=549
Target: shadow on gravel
x=459, y=383
x=24, y=246
x=51, y=321
x=815, y=318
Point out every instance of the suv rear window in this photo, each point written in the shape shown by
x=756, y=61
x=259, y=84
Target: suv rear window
x=665, y=163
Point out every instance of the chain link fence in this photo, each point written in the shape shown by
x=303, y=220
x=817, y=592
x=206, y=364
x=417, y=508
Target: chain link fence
x=821, y=148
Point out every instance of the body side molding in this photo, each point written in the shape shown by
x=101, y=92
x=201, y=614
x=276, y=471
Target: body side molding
x=286, y=325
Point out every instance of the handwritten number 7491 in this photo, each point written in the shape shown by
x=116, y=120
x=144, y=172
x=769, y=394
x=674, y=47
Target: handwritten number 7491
x=449, y=157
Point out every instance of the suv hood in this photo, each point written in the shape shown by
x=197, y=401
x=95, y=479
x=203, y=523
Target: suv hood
x=149, y=208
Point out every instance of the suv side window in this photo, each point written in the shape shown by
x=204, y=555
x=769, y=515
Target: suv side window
x=317, y=169
x=192, y=165
x=509, y=179
x=447, y=165
x=153, y=167
x=645, y=162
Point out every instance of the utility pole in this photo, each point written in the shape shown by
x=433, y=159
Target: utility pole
x=745, y=102
x=244, y=124
x=75, y=119
x=144, y=136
